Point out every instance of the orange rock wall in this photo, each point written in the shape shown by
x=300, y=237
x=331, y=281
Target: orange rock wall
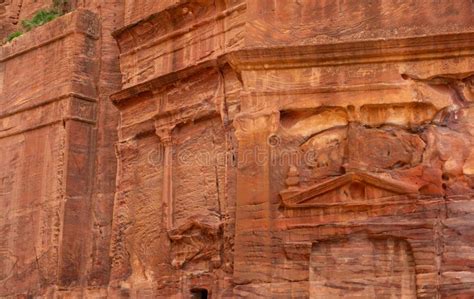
x=258, y=149
x=58, y=131
x=284, y=23
x=277, y=149
x=47, y=122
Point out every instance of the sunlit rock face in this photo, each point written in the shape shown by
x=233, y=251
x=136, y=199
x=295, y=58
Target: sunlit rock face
x=263, y=149
x=283, y=149
x=57, y=136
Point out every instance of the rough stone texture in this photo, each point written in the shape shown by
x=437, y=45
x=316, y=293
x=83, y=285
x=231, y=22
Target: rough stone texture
x=47, y=122
x=298, y=149
x=264, y=149
x=13, y=11
x=57, y=134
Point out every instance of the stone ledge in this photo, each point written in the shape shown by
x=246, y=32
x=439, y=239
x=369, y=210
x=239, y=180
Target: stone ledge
x=55, y=111
x=366, y=51
x=355, y=52
x=50, y=101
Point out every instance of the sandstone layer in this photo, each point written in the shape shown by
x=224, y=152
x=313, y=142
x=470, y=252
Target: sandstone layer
x=263, y=149
x=299, y=149
x=57, y=136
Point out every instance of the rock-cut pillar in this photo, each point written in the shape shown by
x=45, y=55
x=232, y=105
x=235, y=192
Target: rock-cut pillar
x=167, y=190
x=252, y=259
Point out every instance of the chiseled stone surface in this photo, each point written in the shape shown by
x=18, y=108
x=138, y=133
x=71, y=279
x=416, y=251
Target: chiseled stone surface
x=47, y=123
x=263, y=149
x=57, y=135
x=300, y=149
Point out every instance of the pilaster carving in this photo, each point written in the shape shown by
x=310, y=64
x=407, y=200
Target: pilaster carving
x=165, y=135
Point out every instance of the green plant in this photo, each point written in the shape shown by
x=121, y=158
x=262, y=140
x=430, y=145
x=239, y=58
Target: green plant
x=40, y=18
x=13, y=35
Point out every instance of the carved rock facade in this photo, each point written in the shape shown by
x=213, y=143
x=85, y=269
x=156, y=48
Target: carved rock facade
x=298, y=149
x=285, y=149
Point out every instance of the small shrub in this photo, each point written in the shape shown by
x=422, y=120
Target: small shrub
x=40, y=18
x=13, y=35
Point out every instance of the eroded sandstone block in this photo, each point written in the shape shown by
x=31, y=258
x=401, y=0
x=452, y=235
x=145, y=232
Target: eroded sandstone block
x=266, y=149
x=47, y=122
x=58, y=164
x=346, y=139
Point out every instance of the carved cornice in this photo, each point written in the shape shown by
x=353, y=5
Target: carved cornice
x=171, y=118
x=6, y=113
x=57, y=110
x=161, y=81
x=171, y=12
x=355, y=52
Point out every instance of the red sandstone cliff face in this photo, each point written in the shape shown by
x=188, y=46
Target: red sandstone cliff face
x=58, y=130
x=295, y=149
x=263, y=149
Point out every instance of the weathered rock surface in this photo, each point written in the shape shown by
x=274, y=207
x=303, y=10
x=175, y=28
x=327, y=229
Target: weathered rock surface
x=266, y=149
x=299, y=149
x=58, y=166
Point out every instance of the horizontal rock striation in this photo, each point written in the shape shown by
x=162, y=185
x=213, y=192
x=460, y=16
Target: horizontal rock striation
x=294, y=149
x=249, y=149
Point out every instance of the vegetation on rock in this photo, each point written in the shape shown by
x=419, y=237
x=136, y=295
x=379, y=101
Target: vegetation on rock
x=40, y=18
x=13, y=35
